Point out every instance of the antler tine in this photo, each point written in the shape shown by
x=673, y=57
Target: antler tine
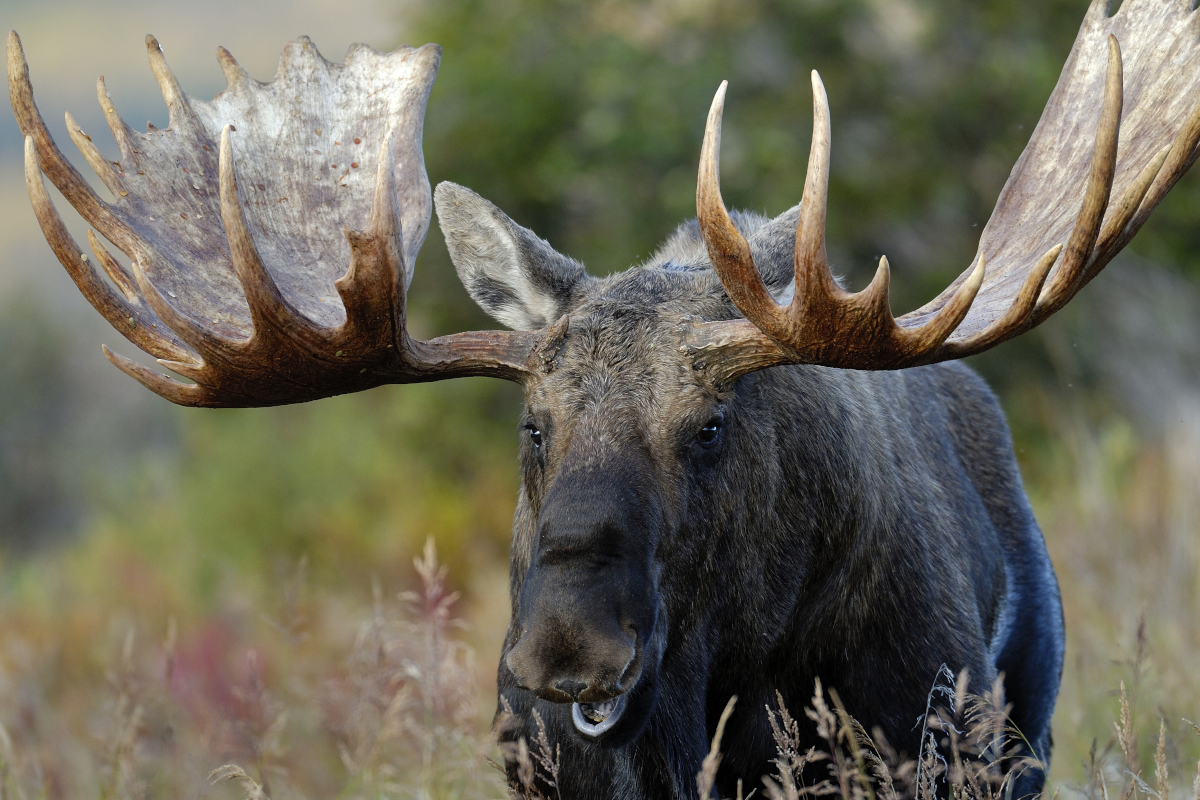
x=375, y=285
x=875, y=298
x=386, y=219
x=727, y=248
x=921, y=342
x=200, y=338
x=1117, y=223
x=1144, y=194
x=176, y=391
x=94, y=157
x=1183, y=153
x=234, y=74
x=113, y=268
x=52, y=162
x=813, y=277
x=1066, y=280
x=1013, y=320
x=132, y=321
x=270, y=314
x=177, y=105
x=121, y=132
x=817, y=298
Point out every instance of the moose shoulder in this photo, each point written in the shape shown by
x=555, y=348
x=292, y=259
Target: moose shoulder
x=738, y=477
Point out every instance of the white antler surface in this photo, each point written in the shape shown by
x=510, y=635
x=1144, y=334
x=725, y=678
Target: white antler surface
x=1040, y=204
x=271, y=231
x=305, y=149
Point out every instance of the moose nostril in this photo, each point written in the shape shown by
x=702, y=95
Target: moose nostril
x=570, y=687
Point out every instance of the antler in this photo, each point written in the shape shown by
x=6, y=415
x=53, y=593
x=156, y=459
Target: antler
x=234, y=281
x=1056, y=208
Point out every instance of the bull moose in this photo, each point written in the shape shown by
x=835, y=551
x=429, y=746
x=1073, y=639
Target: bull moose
x=737, y=476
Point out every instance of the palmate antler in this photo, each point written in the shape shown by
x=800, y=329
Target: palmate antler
x=272, y=231
x=1127, y=131
x=241, y=219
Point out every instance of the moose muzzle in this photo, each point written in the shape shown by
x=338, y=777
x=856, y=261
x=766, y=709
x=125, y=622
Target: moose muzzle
x=588, y=604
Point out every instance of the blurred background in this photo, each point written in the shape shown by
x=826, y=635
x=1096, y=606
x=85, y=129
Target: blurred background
x=182, y=588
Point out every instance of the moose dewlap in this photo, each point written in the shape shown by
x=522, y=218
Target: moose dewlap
x=737, y=477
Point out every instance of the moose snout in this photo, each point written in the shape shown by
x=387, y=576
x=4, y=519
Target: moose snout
x=566, y=661
x=588, y=600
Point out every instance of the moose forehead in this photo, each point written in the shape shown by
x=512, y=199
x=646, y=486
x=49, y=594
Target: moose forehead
x=621, y=360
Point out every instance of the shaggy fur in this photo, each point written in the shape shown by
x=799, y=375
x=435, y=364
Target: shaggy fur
x=864, y=528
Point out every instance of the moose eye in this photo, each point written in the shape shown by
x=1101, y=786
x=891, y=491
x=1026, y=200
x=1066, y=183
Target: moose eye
x=535, y=436
x=711, y=431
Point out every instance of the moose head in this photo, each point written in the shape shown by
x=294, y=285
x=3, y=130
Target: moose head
x=271, y=236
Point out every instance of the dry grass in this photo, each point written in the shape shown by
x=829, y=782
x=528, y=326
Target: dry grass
x=1122, y=521
x=969, y=751
x=120, y=686
x=397, y=717
x=402, y=716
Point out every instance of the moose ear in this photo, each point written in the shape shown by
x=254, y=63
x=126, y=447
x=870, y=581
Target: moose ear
x=516, y=277
x=774, y=248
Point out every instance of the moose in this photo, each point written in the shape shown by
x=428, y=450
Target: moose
x=738, y=477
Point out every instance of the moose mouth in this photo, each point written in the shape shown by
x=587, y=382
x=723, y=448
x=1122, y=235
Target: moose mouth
x=593, y=719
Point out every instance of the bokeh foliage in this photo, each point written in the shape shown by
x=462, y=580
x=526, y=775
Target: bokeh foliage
x=583, y=120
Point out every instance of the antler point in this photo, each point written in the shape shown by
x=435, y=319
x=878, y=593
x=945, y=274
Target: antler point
x=980, y=270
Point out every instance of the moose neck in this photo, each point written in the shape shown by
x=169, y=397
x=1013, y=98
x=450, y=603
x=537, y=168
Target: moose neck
x=816, y=563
